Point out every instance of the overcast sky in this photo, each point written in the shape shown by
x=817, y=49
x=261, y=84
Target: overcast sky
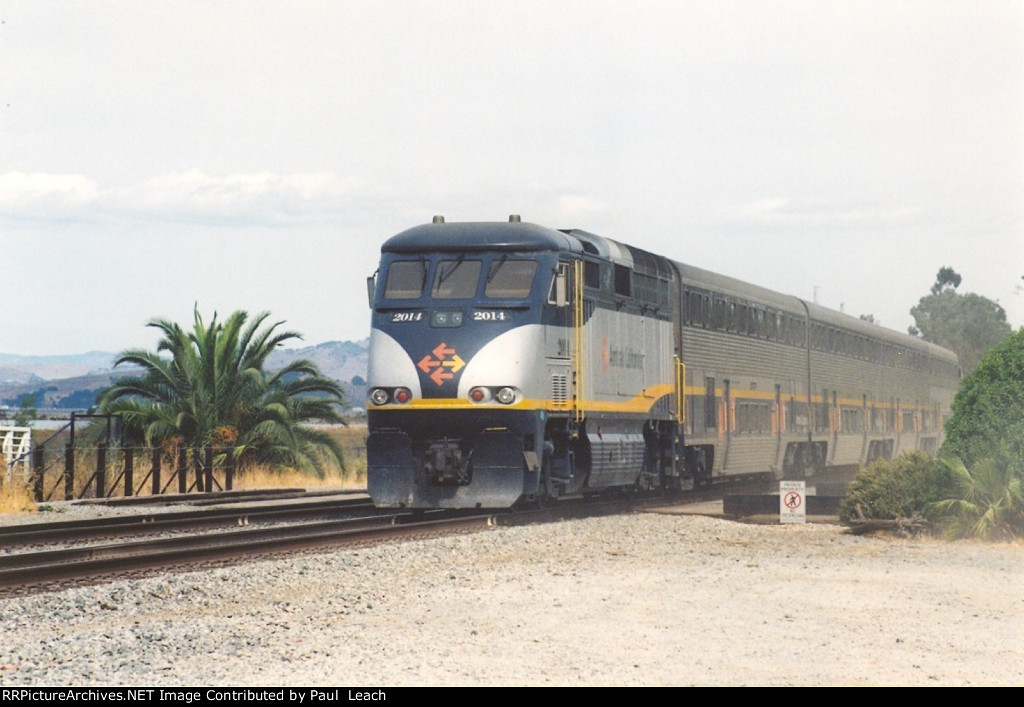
x=254, y=154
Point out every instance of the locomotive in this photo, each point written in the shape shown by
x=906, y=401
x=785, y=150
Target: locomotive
x=514, y=363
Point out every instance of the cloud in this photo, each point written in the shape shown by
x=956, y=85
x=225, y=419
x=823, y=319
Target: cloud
x=261, y=197
x=579, y=207
x=258, y=198
x=46, y=196
x=781, y=211
x=765, y=207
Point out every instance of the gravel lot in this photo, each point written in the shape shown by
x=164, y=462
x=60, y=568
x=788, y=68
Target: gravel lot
x=647, y=599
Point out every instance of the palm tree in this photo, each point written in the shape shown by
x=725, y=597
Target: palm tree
x=989, y=502
x=208, y=386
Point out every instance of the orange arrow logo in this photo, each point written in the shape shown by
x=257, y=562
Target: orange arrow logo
x=444, y=367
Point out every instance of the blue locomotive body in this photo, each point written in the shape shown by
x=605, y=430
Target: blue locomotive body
x=460, y=312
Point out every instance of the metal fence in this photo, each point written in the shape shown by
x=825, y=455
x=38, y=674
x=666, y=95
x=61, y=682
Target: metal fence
x=86, y=458
x=68, y=472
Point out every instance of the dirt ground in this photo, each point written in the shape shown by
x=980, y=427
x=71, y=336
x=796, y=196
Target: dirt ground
x=640, y=600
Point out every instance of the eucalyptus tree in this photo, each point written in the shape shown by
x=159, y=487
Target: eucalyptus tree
x=209, y=386
x=968, y=324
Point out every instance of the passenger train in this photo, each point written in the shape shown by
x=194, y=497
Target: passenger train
x=513, y=363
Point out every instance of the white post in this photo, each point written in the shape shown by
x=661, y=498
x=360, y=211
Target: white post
x=16, y=446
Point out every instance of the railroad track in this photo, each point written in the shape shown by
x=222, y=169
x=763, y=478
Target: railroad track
x=31, y=572
x=56, y=568
x=177, y=521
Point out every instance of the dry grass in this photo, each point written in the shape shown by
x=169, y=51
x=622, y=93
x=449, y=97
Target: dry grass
x=16, y=498
x=352, y=440
x=352, y=437
x=265, y=477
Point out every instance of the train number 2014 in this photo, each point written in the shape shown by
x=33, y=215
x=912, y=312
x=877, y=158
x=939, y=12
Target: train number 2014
x=490, y=316
x=406, y=316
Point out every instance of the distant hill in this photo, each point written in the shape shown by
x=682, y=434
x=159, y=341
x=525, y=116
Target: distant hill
x=340, y=360
x=15, y=369
x=75, y=393
x=72, y=381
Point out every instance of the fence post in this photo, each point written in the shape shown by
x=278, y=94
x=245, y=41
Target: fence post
x=101, y=470
x=197, y=466
x=157, y=454
x=182, y=469
x=129, y=467
x=209, y=468
x=69, y=472
x=37, y=473
x=229, y=468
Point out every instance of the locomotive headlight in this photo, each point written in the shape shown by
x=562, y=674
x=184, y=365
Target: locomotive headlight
x=378, y=396
x=403, y=395
x=506, y=395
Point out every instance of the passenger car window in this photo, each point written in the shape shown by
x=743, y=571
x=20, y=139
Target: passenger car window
x=456, y=279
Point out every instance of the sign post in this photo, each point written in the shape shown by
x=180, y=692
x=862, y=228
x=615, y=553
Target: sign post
x=792, y=502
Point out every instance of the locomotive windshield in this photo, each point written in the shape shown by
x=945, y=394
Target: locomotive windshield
x=406, y=279
x=510, y=279
x=456, y=279
x=461, y=278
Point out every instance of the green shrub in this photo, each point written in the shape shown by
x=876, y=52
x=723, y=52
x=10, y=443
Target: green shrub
x=988, y=412
x=987, y=501
x=898, y=488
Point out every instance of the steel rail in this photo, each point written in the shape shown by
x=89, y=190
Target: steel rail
x=35, y=568
x=148, y=523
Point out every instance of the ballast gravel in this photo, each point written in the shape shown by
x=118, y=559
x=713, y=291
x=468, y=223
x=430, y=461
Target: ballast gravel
x=638, y=600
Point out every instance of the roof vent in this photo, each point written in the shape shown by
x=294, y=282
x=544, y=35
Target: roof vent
x=439, y=219
x=514, y=218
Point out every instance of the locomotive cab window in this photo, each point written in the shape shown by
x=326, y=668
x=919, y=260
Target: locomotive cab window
x=456, y=279
x=622, y=281
x=406, y=279
x=510, y=278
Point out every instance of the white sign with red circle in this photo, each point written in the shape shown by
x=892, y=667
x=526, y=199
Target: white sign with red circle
x=793, y=501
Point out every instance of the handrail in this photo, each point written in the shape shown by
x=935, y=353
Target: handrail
x=578, y=353
x=680, y=391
